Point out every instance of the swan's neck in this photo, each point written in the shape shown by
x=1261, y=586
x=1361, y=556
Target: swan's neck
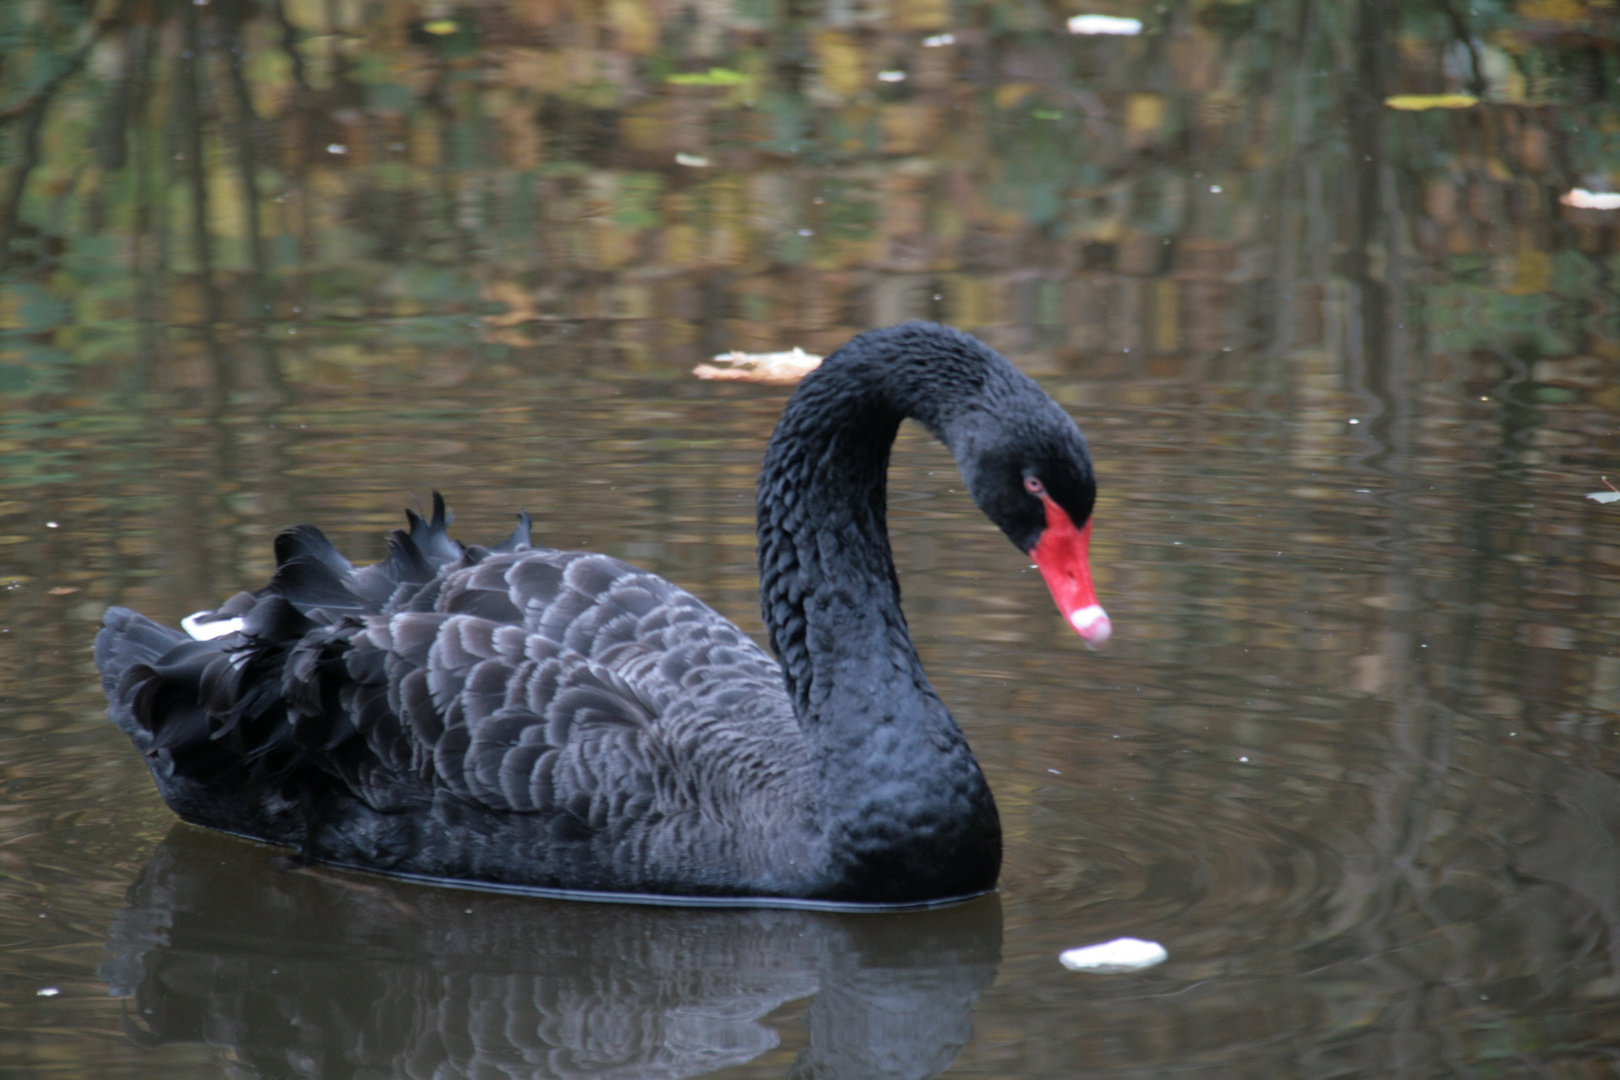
x=827, y=582
x=898, y=795
x=830, y=597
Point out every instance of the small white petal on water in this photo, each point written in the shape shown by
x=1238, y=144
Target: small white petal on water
x=1104, y=24
x=1582, y=199
x=1112, y=957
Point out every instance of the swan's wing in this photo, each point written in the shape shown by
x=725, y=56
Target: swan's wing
x=571, y=695
x=560, y=682
x=539, y=681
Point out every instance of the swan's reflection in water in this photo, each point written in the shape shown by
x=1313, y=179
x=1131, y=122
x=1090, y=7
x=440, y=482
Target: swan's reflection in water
x=312, y=973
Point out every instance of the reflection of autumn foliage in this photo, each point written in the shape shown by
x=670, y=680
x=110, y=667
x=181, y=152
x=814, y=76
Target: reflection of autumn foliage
x=409, y=160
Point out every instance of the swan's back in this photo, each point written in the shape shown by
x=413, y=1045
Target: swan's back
x=506, y=714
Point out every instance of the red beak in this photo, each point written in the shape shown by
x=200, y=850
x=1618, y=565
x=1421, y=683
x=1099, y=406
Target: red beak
x=1061, y=556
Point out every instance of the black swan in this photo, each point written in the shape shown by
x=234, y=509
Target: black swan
x=512, y=716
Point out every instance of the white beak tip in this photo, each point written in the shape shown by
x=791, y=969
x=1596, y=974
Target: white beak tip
x=1091, y=623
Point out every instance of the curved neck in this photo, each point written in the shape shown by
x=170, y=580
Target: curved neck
x=902, y=805
x=828, y=590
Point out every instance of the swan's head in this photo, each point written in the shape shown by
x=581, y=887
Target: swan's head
x=1030, y=472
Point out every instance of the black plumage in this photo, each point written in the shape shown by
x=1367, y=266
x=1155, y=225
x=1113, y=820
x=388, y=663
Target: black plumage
x=522, y=716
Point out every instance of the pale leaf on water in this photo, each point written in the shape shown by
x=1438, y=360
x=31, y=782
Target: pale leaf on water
x=1115, y=957
x=778, y=368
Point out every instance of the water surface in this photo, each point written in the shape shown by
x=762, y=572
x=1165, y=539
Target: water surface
x=1348, y=372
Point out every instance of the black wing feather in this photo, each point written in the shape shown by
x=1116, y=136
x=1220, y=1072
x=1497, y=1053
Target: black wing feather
x=411, y=712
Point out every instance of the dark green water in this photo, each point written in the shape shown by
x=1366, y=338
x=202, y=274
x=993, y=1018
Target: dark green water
x=1348, y=371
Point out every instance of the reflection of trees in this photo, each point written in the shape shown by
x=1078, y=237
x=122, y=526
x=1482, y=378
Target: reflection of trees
x=518, y=151
x=28, y=114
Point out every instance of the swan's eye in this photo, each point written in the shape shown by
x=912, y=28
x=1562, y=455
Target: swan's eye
x=1034, y=486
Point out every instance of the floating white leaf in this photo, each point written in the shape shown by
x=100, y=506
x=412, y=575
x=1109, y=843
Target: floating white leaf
x=1113, y=957
x=1104, y=24
x=1582, y=199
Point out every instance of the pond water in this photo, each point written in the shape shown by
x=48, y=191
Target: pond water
x=1349, y=362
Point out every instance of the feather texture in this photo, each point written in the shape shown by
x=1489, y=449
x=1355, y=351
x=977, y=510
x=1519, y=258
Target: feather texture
x=557, y=695
x=558, y=719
